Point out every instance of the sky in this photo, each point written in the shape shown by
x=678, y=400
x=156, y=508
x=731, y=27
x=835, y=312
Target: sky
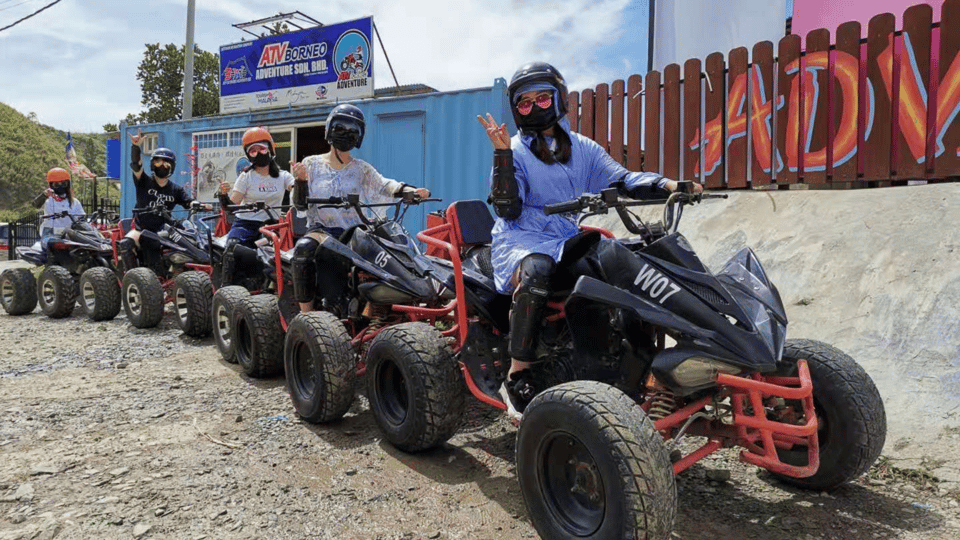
x=74, y=65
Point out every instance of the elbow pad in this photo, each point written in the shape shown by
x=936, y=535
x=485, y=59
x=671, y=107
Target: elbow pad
x=505, y=192
x=39, y=200
x=224, y=201
x=643, y=191
x=135, y=162
x=300, y=189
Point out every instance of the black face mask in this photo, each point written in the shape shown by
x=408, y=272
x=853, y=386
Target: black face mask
x=162, y=171
x=538, y=119
x=344, y=140
x=261, y=160
x=61, y=190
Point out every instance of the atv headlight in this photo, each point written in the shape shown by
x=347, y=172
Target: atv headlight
x=698, y=371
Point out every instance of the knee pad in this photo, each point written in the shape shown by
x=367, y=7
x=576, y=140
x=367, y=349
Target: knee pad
x=304, y=267
x=127, y=252
x=505, y=191
x=529, y=301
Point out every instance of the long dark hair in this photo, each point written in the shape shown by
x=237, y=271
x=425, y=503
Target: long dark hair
x=541, y=149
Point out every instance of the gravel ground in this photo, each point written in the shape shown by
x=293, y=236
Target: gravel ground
x=107, y=431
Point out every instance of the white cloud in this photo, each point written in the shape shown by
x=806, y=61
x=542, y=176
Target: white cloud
x=75, y=65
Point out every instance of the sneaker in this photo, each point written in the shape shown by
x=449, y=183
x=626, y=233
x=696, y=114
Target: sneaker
x=517, y=392
x=507, y=399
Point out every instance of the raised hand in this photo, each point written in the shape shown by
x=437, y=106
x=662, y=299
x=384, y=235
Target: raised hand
x=135, y=139
x=298, y=170
x=498, y=134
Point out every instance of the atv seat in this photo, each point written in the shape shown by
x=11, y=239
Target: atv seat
x=472, y=222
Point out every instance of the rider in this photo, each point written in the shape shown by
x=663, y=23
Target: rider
x=262, y=181
x=334, y=174
x=546, y=163
x=58, y=197
x=152, y=191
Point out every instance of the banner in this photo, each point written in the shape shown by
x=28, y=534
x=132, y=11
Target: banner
x=311, y=66
x=813, y=14
x=685, y=29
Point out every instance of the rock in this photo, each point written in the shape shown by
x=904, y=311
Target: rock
x=350, y=472
x=44, y=468
x=140, y=529
x=24, y=492
x=122, y=365
x=238, y=419
x=120, y=471
x=107, y=500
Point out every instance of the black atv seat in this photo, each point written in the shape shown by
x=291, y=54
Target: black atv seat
x=473, y=222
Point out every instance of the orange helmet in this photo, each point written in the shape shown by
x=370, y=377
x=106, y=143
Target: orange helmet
x=255, y=135
x=57, y=174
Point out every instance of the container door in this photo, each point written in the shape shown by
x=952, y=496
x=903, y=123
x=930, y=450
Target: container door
x=400, y=156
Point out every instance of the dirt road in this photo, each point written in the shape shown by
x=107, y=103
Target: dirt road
x=108, y=432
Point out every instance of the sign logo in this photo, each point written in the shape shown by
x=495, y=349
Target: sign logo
x=322, y=91
x=236, y=72
x=267, y=97
x=351, y=56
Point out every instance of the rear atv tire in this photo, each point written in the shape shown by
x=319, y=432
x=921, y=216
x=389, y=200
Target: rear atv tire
x=142, y=296
x=18, y=291
x=257, y=335
x=99, y=294
x=320, y=366
x=592, y=465
x=853, y=423
x=224, y=301
x=192, y=295
x=414, y=385
x=56, y=292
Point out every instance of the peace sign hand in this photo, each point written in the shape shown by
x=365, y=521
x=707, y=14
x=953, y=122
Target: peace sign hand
x=135, y=139
x=498, y=134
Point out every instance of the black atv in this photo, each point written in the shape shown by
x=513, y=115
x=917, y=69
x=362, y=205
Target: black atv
x=255, y=269
x=176, y=269
x=595, y=451
x=389, y=286
x=79, y=263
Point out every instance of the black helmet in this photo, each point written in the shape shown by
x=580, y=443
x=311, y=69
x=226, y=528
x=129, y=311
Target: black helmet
x=532, y=73
x=165, y=154
x=345, y=127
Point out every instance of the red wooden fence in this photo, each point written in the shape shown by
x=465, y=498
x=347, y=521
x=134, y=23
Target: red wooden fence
x=883, y=108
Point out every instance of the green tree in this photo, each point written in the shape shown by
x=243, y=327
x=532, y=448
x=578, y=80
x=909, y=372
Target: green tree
x=161, y=79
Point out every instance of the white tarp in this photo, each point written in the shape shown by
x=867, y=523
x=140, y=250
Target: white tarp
x=685, y=29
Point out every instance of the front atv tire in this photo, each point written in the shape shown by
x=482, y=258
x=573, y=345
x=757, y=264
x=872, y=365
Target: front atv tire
x=18, y=291
x=591, y=465
x=99, y=294
x=192, y=294
x=414, y=386
x=853, y=423
x=221, y=311
x=56, y=292
x=320, y=365
x=142, y=298
x=256, y=332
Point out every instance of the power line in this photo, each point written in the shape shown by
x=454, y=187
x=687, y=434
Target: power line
x=48, y=6
x=15, y=5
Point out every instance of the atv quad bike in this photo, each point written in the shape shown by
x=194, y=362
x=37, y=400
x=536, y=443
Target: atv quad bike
x=79, y=263
x=595, y=451
x=389, y=289
x=177, y=271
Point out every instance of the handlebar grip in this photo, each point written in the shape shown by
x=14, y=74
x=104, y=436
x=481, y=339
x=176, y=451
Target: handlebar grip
x=714, y=195
x=560, y=208
x=324, y=200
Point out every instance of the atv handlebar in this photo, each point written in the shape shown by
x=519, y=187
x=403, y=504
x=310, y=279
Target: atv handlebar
x=353, y=201
x=601, y=203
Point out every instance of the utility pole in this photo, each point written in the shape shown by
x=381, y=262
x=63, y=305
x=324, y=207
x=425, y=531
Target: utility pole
x=188, y=64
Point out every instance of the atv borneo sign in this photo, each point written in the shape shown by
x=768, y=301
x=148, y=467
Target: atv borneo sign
x=316, y=65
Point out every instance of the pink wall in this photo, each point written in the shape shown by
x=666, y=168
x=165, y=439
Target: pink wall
x=812, y=14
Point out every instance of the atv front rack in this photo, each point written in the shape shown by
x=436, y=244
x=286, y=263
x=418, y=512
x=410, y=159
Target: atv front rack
x=752, y=428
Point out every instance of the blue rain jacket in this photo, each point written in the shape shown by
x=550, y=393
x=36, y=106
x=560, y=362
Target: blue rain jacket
x=589, y=170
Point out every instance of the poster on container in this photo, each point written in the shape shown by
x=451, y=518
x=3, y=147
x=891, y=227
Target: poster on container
x=316, y=65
